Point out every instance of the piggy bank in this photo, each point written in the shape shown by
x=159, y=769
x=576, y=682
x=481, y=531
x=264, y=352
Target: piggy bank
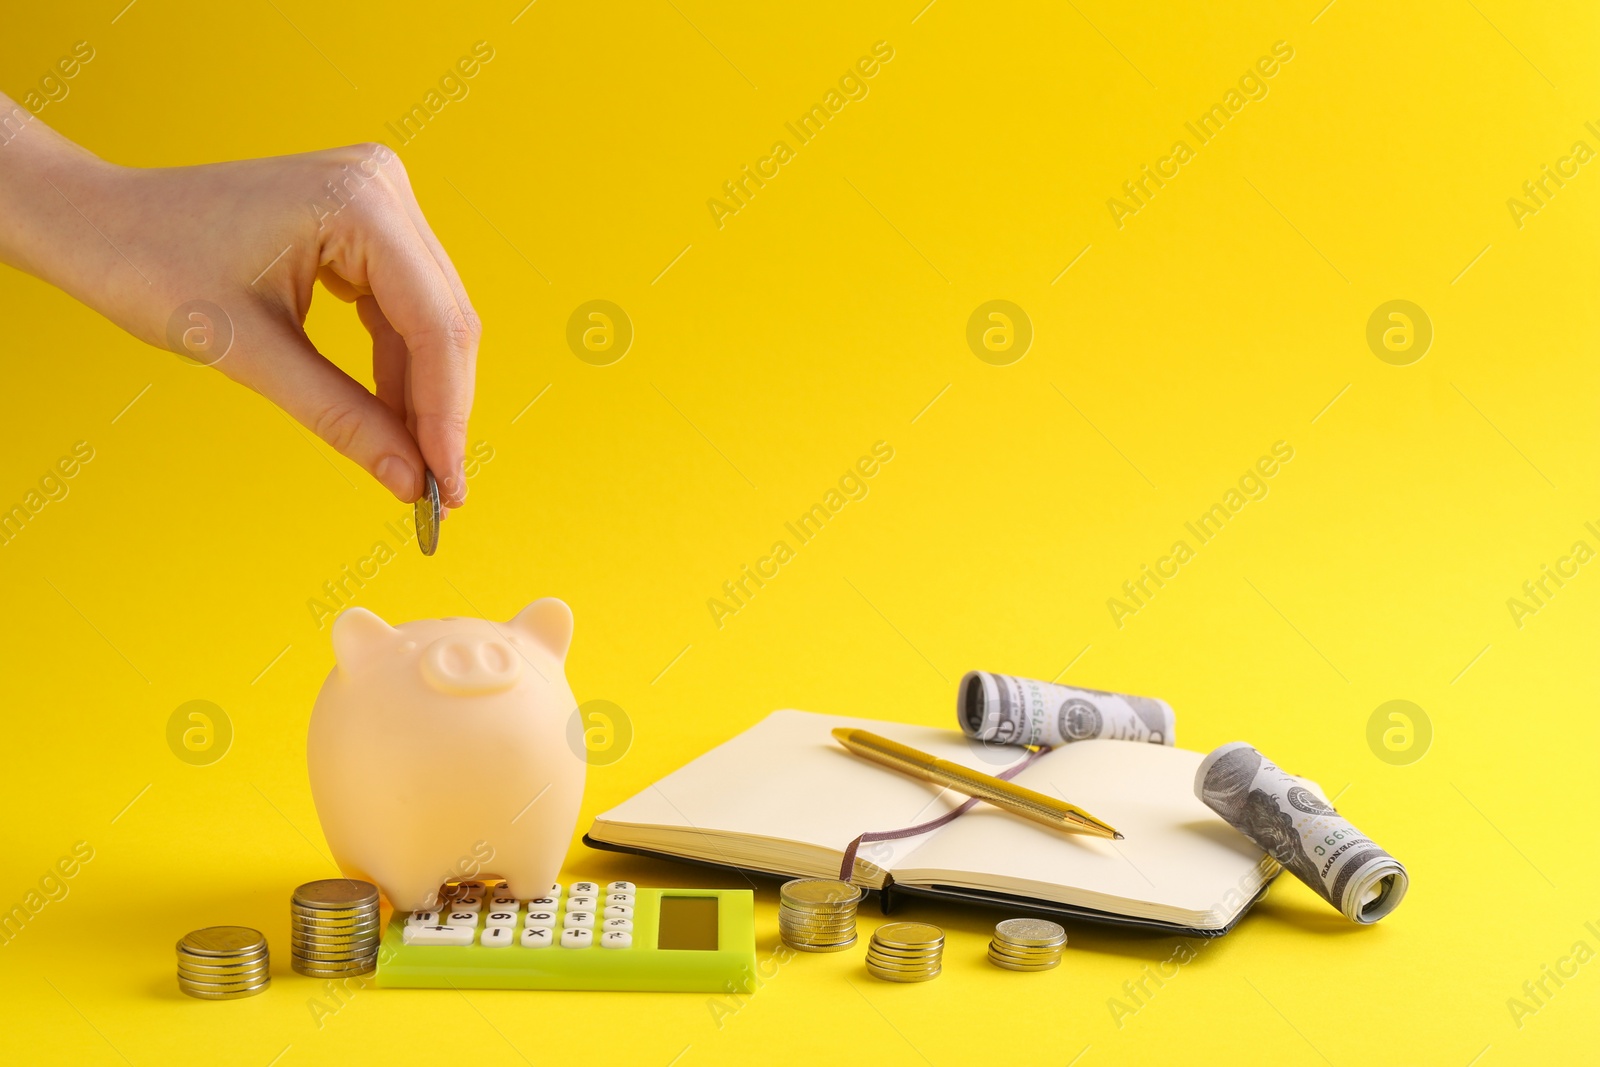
x=438, y=750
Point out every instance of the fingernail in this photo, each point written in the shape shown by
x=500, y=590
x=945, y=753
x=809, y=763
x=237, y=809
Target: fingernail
x=455, y=487
x=399, y=477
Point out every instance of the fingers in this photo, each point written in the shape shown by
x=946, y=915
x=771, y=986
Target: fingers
x=440, y=256
x=389, y=357
x=385, y=254
x=442, y=344
x=283, y=366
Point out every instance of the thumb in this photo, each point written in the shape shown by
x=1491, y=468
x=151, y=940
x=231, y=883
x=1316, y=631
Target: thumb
x=286, y=368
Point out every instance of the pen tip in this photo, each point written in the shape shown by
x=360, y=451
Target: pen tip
x=1117, y=837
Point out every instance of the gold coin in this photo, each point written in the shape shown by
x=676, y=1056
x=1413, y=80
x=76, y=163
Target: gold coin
x=813, y=924
x=820, y=893
x=223, y=960
x=336, y=937
x=846, y=911
x=909, y=968
x=232, y=995
x=826, y=946
x=325, y=970
x=901, y=950
x=201, y=970
x=908, y=935
x=333, y=943
x=223, y=941
x=1014, y=965
x=215, y=985
x=1025, y=953
x=335, y=893
x=902, y=965
x=810, y=922
x=333, y=925
x=335, y=955
x=896, y=976
x=311, y=937
x=819, y=938
x=1033, y=933
x=332, y=914
x=426, y=513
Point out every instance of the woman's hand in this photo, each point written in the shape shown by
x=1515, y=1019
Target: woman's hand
x=218, y=262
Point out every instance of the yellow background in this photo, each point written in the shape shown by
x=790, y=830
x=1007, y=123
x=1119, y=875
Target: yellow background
x=823, y=317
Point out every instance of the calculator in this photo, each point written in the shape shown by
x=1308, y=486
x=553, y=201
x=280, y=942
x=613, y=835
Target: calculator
x=583, y=935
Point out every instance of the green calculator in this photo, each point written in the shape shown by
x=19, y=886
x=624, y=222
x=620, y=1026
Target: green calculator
x=583, y=935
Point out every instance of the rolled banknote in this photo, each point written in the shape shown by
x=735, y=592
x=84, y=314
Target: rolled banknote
x=1000, y=709
x=1291, y=819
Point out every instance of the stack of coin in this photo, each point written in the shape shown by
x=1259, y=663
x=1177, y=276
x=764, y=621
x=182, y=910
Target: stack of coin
x=906, y=952
x=818, y=914
x=1027, y=944
x=334, y=928
x=223, y=963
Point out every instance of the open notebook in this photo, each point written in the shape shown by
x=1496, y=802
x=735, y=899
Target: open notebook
x=785, y=799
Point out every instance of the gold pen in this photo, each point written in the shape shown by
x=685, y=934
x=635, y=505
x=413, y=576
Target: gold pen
x=997, y=791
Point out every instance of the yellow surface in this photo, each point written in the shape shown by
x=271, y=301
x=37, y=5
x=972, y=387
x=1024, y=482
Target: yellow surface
x=1227, y=314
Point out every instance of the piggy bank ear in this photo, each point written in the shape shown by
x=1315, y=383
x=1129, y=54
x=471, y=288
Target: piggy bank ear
x=549, y=622
x=358, y=634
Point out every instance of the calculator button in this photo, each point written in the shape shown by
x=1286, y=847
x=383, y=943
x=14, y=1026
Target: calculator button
x=616, y=939
x=578, y=920
x=581, y=903
x=538, y=937
x=555, y=891
x=495, y=919
x=620, y=898
x=502, y=902
x=545, y=903
x=423, y=918
x=472, y=902
x=574, y=938
x=537, y=919
x=625, y=925
x=438, y=935
x=621, y=887
x=618, y=911
x=496, y=937
x=585, y=889
x=461, y=918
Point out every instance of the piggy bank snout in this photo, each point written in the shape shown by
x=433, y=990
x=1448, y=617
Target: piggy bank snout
x=463, y=664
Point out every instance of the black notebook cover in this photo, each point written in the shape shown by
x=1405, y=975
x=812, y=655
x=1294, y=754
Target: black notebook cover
x=890, y=895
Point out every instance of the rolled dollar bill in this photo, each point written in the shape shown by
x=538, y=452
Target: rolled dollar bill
x=1000, y=709
x=1291, y=819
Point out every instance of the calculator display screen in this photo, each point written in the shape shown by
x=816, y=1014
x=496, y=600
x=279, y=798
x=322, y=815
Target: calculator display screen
x=688, y=922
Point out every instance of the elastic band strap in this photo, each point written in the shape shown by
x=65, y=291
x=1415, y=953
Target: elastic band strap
x=847, y=870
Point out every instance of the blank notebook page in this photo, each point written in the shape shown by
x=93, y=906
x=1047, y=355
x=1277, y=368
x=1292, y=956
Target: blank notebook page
x=1179, y=859
x=787, y=779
